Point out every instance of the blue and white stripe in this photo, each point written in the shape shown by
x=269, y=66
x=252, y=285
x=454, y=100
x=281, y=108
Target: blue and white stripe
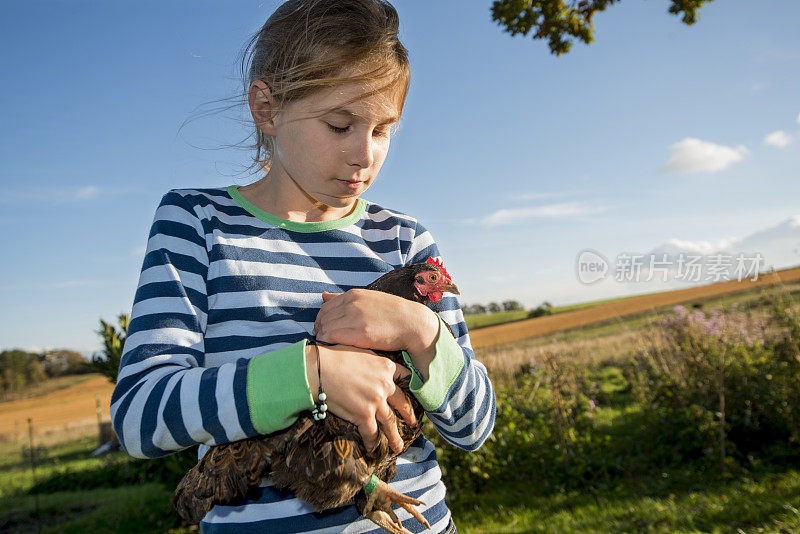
x=219, y=286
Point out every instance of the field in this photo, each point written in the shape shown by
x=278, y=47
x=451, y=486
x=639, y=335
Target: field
x=616, y=309
x=485, y=496
x=59, y=414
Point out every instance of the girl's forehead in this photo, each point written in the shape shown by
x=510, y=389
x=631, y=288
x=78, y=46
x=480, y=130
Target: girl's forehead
x=359, y=100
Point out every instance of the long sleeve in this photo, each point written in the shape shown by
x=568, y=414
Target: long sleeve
x=165, y=398
x=458, y=397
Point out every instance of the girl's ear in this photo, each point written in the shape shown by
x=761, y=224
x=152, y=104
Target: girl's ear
x=262, y=106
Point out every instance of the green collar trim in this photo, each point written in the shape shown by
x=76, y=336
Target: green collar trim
x=296, y=226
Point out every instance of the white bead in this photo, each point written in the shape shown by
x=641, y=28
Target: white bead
x=323, y=408
x=323, y=397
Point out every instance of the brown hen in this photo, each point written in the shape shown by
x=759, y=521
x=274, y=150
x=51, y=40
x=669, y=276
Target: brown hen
x=324, y=463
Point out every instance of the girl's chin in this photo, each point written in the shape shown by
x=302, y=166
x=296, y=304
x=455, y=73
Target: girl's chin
x=338, y=201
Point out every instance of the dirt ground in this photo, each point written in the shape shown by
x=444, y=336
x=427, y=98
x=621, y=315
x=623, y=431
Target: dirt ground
x=63, y=412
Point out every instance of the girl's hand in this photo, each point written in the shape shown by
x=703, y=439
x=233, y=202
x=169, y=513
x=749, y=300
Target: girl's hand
x=377, y=320
x=360, y=388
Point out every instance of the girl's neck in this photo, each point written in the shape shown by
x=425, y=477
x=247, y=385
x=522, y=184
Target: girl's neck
x=285, y=199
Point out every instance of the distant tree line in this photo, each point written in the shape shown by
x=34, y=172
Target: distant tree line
x=545, y=308
x=492, y=307
x=20, y=369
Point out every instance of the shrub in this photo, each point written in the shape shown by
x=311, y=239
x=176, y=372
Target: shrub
x=543, y=431
x=722, y=384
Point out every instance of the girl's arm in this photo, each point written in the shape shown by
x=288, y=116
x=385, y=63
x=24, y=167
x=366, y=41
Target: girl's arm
x=449, y=382
x=165, y=399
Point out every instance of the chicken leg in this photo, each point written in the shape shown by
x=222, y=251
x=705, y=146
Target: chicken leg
x=378, y=508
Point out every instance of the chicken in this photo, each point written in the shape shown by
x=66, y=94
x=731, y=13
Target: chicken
x=325, y=462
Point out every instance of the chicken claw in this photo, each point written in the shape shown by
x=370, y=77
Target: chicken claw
x=379, y=508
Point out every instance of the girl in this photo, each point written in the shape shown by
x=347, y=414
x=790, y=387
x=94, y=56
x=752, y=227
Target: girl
x=236, y=279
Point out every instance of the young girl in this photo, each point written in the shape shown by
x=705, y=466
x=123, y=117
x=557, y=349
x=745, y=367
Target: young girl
x=235, y=281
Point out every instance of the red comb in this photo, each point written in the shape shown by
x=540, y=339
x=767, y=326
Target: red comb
x=437, y=262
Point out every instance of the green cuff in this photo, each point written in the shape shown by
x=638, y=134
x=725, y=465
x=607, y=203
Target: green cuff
x=442, y=372
x=277, y=387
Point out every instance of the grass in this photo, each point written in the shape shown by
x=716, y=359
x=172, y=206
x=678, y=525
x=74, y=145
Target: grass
x=142, y=508
x=479, y=320
x=128, y=509
x=692, y=503
x=674, y=502
x=71, y=456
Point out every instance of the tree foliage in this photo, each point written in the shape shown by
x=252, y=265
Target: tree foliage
x=561, y=21
x=19, y=369
x=107, y=362
x=60, y=362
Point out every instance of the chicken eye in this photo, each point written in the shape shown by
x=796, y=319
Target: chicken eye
x=433, y=277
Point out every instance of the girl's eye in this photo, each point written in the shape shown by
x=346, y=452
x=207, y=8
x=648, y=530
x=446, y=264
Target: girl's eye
x=337, y=129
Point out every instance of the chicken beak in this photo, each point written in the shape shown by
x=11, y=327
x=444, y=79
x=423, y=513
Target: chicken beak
x=450, y=288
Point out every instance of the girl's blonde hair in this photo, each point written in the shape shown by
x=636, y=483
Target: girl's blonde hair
x=310, y=45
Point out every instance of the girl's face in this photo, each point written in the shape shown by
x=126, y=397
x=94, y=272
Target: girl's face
x=330, y=149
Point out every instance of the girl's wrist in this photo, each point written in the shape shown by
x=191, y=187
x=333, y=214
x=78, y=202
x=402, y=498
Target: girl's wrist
x=312, y=354
x=421, y=344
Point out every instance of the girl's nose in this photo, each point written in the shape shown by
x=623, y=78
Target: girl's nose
x=361, y=153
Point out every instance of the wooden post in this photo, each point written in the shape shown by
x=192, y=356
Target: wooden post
x=100, y=435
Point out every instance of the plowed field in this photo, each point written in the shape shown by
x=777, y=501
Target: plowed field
x=58, y=412
x=518, y=330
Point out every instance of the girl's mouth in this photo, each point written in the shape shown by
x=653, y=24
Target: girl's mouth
x=351, y=185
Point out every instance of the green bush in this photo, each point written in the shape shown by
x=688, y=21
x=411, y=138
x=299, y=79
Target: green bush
x=544, y=431
x=723, y=385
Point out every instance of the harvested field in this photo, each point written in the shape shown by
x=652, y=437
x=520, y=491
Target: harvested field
x=519, y=330
x=59, y=414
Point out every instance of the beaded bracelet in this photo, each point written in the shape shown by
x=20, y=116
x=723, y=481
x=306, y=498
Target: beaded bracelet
x=321, y=409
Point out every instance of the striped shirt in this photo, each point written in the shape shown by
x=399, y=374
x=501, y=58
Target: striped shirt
x=227, y=297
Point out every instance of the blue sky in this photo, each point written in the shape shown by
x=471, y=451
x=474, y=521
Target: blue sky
x=656, y=137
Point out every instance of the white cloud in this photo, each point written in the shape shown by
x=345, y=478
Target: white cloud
x=777, y=139
x=695, y=247
x=87, y=192
x=695, y=155
x=798, y=118
x=516, y=215
x=779, y=245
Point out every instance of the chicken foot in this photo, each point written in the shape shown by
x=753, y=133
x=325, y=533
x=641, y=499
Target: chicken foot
x=379, y=508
